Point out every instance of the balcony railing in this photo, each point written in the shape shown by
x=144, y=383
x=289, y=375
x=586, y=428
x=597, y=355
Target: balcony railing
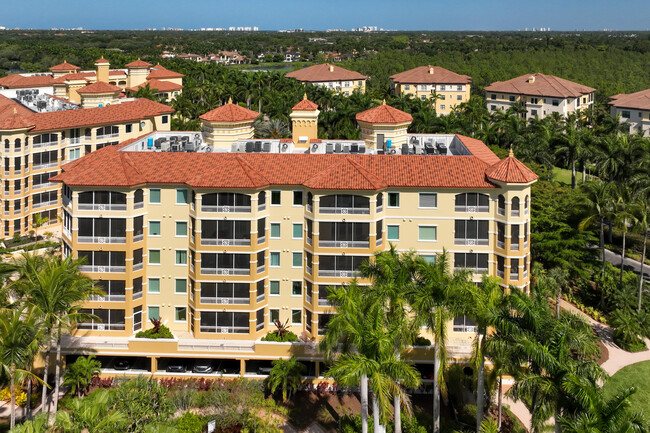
x=46, y=165
x=43, y=204
x=261, y=207
x=308, y=269
x=337, y=273
x=308, y=298
x=525, y=244
x=224, y=329
x=501, y=211
x=45, y=144
x=138, y=266
x=260, y=298
x=501, y=244
x=471, y=242
x=225, y=242
x=44, y=185
x=225, y=271
x=102, y=206
x=261, y=240
x=223, y=301
x=475, y=270
x=380, y=208
x=101, y=269
x=259, y=326
x=472, y=209
x=514, y=247
x=102, y=326
x=137, y=295
x=345, y=210
x=101, y=137
x=526, y=211
x=500, y=274
x=465, y=328
x=310, y=208
x=309, y=240
x=74, y=140
x=138, y=238
x=138, y=205
x=225, y=209
x=514, y=212
x=101, y=240
x=65, y=200
x=324, y=302
x=514, y=275
x=343, y=244
x=108, y=298
x=261, y=269
x=66, y=231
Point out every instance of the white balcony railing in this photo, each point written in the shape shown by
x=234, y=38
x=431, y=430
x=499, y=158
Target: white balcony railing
x=501, y=244
x=45, y=144
x=261, y=269
x=108, y=298
x=514, y=212
x=102, y=269
x=475, y=270
x=260, y=298
x=46, y=165
x=337, y=273
x=261, y=240
x=102, y=326
x=225, y=242
x=514, y=247
x=225, y=209
x=514, y=275
x=66, y=231
x=43, y=204
x=501, y=211
x=471, y=242
x=309, y=240
x=380, y=209
x=223, y=301
x=308, y=269
x=102, y=137
x=102, y=207
x=261, y=207
x=310, y=208
x=101, y=240
x=500, y=274
x=225, y=271
x=44, y=185
x=308, y=298
x=343, y=244
x=66, y=201
x=472, y=209
x=224, y=329
x=138, y=266
x=465, y=328
x=345, y=210
x=138, y=238
x=137, y=295
x=138, y=205
x=324, y=302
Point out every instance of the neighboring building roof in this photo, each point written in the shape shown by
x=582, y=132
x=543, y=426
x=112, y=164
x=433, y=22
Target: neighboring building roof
x=638, y=100
x=14, y=120
x=138, y=64
x=65, y=66
x=511, y=170
x=229, y=113
x=540, y=85
x=430, y=75
x=18, y=81
x=384, y=114
x=325, y=72
x=102, y=61
x=479, y=149
x=160, y=71
x=305, y=105
x=86, y=76
x=159, y=85
x=99, y=87
x=111, y=167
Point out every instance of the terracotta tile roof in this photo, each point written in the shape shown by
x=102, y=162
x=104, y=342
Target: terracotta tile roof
x=638, y=100
x=113, y=168
x=511, y=170
x=160, y=71
x=479, y=149
x=13, y=120
x=384, y=114
x=101, y=61
x=160, y=85
x=229, y=113
x=18, y=81
x=540, y=85
x=65, y=66
x=138, y=64
x=86, y=76
x=325, y=72
x=305, y=105
x=99, y=87
x=423, y=75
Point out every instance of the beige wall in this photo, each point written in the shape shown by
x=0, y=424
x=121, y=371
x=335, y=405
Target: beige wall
x=447, y=96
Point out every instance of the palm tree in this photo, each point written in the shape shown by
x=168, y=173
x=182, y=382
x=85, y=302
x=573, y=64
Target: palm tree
x=39, y=424
x=571, y=147
x=624, y=215
x=94, y=413
x=19, y=340
x=286, y=375
x=79, y=375
x=274, y=128
x=643, y=225
x=598, y=204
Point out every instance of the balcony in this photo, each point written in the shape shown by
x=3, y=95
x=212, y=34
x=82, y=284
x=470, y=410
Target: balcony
x=501, y=211
x=379, y=241
x=472, y=209
x=44, y=185
x=225, y=271
x=261, y=269
x=525, y=244
x=260, y=298
x=338, y=273
x=74, y=140
x=500, y=274
x=380, y=209
x=102, y=269
x=43, y=204
x=100, y=239
x=514, y=212
x=137, y=295
x=46, y=165
x=225, y=209
x=308, y=298
x=102, y=206
x=108, y=298
x=45, y=144
x=105, y=136
x=261, y=240
x=102, y=326
x=138, y=238
x=501, y=244
x=223, y=301
x=472, y=242
x=259, y=326
x=224, y=329
x=138, y=205
x=309, y=241
x=514, y=247
x=308, y=269
x=345, y=210
x=324, y=302
x=514, y=275
x=138, y=266
x=465, y=328
x=226, y=242
x=66, y=231
x=66, y=201
x=261, y=207
x=344, y=244
x=478, y=271
x=310, y=208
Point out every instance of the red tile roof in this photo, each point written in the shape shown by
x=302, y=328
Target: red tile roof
x=65, y=66
x=114, y=168
x=13, y=120
x=325, y=72
x=160, y=71
x=638, y=100
x=138, y=64
x=18, y=81
x=511, y=170
x=479, y=149
x=99, y=87
x=424, y=75
x=101, y=61
x=305, y=105
x=160, y=85
x=540, y=85
x=230, y=113
x=384, y=114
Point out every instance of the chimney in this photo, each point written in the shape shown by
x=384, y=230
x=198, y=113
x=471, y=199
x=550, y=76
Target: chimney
x=531, y=79
x=331, y=68
x=431, y=70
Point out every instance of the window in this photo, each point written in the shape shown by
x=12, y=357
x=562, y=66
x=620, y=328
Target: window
x=464, y=324
x=296, y=288
x=428, y=200
x=392, y=233
x=393, y=199
x=275, y=198
x=275, y=230
x=473, y=261
x=297, y=231
x=514, y=207
x=181, y=257
x=345, y=204
x=427, y=233
x=471, y=232
x=459, y=97
x=533, y=112
x=511, y=98
x=154, y=228
x=180, y=286
x=501, y=205
x=514, y=269
x=429, y=258
x=74, y=154
x=275, y=258
x=296, y=317
x=128, y=128
x=226, y=202
x=493, y=96
x=493, y=107
x=442, y=107
x=274, y=315
x=154, y=257
x=459, y=88
x=297, y=198
x=154, y=196
x=534, y=100
x=296, y=261
x=154, y=313
x=555, y=102
x=165, y=119
x=154, y=285
x=407, y=87
x=181, y=228
x=275, y=288
x=180, y=314
x=625, y=114
x=181, y=196
x=472, y=202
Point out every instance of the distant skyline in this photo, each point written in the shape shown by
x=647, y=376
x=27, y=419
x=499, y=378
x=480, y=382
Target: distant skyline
x=333, y=14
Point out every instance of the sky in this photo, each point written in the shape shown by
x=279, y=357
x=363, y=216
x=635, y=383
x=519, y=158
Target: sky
x=329, y=14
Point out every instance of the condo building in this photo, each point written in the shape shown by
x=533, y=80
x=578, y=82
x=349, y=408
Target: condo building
x=633, y=109
x=219, y=238
x=331, y=77
x=446, y=88
x=540, y=94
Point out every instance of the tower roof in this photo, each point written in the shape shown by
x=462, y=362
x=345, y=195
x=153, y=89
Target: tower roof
x=305, y=105
x=511, y=170
x=159, y=71
x=430, y=75
x=384, y=114
x=230, y=113
x=99, y=87
x=325, y=72
x=65, y=66
x=15, y=121
x=138, y=64
x=102, y=61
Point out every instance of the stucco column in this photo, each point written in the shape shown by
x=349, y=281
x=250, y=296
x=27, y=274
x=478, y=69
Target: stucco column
x=242, y=367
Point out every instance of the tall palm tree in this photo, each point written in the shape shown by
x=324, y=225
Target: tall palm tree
x=597, y=202
x=286, y=375
x=624, y=216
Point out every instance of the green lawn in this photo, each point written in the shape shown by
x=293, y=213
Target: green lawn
x=637, y=375
x=562, y=175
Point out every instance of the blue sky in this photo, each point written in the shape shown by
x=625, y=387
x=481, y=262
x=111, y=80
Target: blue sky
x=319, y=14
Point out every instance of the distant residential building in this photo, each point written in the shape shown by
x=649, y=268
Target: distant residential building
x=634, y=109
x=540, y=94
x=332, y=77
x=433, y=82
x=291, y=57
x=190, y=56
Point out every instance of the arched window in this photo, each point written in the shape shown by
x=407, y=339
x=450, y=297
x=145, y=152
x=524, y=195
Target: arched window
x=138, y=199
x=261, y=201
x=501, y=206
x=514, y=211
x=310, y=201
x=472, y=202
x=17, y=145
x=7, y=145
x=380, y=202
x=526, y=205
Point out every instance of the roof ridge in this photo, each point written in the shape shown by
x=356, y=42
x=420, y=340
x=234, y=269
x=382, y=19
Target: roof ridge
x=246, y=166
x=365, y=173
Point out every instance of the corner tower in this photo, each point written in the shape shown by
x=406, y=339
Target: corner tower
x=304, y=122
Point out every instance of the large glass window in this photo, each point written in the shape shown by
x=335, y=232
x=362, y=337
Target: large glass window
x=344, y=204
x=471, y=232
x=225, y=264
x=225, y=293
x=477, y=262
x=225, y=232
x=102, y=200
x=344, y=234
x=224, y=322
x=428, y=200
x=427, y=233
x=339, y=266
x=472, y=202
x=225, y=202
x=102, y=230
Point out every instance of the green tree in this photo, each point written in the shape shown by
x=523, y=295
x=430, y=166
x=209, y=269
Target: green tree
x=143, y=401
x=598, y=206
x=286, y=375
x=80, y=374
x=95, y=413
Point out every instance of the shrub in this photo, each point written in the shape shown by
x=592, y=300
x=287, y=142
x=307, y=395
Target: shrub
x=275, y=336
x=191, y=423
x=352, y=424
x=421, y=341
x=21, y=397
x=163, y=332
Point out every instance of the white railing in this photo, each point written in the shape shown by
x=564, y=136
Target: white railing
x=380, y=208
x=225, y=209
x=223, y=301
x=526, y=211
x=308, y=298
x=343, y=244
x=324, y=302
x=345, y=210
x=337, y=274
x=43, y=185
x=138, y=238
x=471, y=242
x=17, y=170
x=101, y=269
x=101, y=137
x=102, y=326
x=501, y=211
x=46, y=165
x=259, y=326
x=66, y=231
x=138, y=266
x=228, y=271
x=514, y=275
x=475, y=270
x=66, y=201
x=17, y=190
x=261, y=207
x=465, y=328
x=225, y=242
x=260, y=298
x=514, y=247
x=525, y=274
x=514, y=212
x=214, y=345
x=101, y=240
x=501, y=244
x=108, y=298
x=97, y=206
x=309, y=269
x=74, y=140
x=525, y=244
x=224, y=329
x=137, y=295
x=138, y=205
x=261, y=269
x=43, y=204
x=379, y=241
x=473, y=209
x=310, y=208
x=309, y=241
x=261, y=240
x=44, y=144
